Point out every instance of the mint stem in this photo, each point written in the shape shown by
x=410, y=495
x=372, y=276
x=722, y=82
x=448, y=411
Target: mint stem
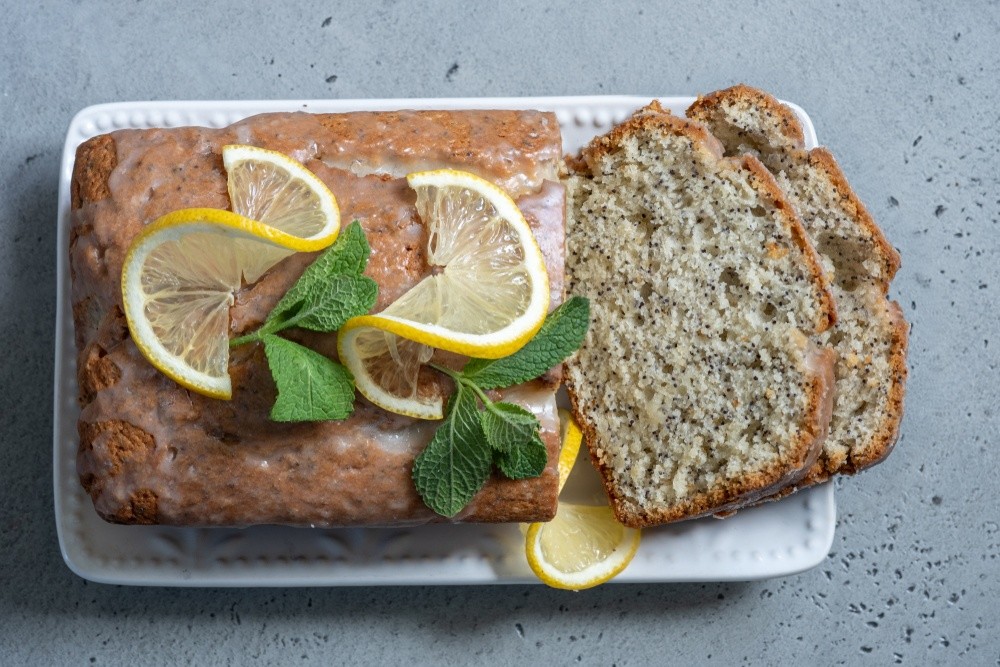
x=482, y=396
x=454, y=375
x=460, y=379
x=265, y=329
x=243, y=340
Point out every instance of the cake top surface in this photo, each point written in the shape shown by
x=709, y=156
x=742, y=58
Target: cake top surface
x=143, y=437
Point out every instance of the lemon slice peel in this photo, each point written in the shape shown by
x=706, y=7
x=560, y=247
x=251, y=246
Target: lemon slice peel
x=174, y=228
x=571, y=437
x=224, y=248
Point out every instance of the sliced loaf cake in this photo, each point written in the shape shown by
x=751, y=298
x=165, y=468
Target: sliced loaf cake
x=698, y=387
x=870, y=337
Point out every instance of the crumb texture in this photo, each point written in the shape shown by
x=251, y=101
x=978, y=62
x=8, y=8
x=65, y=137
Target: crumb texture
x=870, y=337
x=696, y=384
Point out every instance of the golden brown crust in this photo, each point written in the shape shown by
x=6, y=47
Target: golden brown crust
x=95, y=159
x=752, y=487
x=139, y=509
x=123, y=442
x=885, y=438
x=823, y=160
x=95, y=372
x=652, y=116
x=782, y=120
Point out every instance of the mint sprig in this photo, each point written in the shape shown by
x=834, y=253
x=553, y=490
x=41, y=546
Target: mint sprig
x=311, y=386
x=454, y=465
x=346, y=258
x=472, y=439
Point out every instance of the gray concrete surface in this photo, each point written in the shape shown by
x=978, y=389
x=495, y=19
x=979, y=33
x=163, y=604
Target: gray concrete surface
x=905, y=93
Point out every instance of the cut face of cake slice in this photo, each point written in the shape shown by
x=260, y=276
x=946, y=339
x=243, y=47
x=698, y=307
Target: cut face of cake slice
x=870, y=337
x=698, y=388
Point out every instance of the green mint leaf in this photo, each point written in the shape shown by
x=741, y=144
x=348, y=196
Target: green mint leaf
x=561, y=335
x=457, y=461
x=311, y=387
x=347, y=256
x=331, y=303
x=508, y=426
x=527, y=459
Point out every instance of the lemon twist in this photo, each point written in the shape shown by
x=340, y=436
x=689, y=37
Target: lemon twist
x=181, y=272
x=487, y=298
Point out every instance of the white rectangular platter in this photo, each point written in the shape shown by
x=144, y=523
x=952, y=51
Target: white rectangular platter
x=772, y=540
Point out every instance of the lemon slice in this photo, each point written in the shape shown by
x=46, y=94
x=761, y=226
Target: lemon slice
x=178, y=282
x=571, y=437
x=582, y=546
x=272, y=188
x=181, y=272
x=487, y=297
x=386, y=370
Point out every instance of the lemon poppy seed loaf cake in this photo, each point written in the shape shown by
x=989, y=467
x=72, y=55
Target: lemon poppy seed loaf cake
x=870, y=337
x=153, y=452
x=698, y=388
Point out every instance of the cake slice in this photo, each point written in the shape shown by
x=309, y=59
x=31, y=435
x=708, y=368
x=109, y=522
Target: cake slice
x=870, y=337
x=698, y=387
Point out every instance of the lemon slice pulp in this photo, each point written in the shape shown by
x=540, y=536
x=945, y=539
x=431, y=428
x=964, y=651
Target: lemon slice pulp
x=487, y=297
x=272, y=188
x=181, y=272
x=584, y=545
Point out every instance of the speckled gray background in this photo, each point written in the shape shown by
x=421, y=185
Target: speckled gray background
x=905, y=93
